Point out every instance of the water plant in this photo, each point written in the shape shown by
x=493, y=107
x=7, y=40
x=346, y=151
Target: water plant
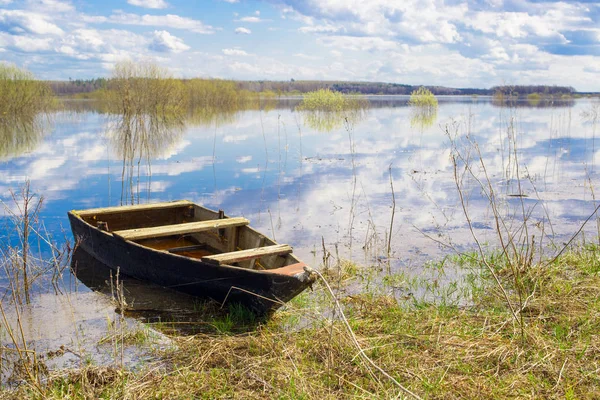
x=21, y=94
x=148, y=114
x=423, y=98
x=24, y=106
x=424, y=107
x=326, y=110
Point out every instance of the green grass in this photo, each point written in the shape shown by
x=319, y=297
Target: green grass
x=437, y=349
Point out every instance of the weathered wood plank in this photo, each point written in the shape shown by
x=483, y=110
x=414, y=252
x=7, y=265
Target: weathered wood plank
x=243, y=255
x=183, y=249
x=180, y=229
x=136, y=207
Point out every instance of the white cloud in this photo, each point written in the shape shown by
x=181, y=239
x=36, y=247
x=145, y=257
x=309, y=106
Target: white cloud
x=19, y=22
x=306, y=56
x=163, y=41
x=235, y=52
x=25, y=43
x=110, y=45
x=149, y=3
x=234, y=138
x=243, y=159
x=169, y=20
x=516, y=25
x=431, y=21
x=50, y=6
x=320, y=29
x=252, y=19
x=244, y=31
x=358, y=43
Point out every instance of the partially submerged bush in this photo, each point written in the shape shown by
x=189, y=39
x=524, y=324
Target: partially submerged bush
x=424, y=108
x=215, y=93
x=423, y=98
x=21, y=93
x=327, y=100
x=326, y=110
x=23, y=103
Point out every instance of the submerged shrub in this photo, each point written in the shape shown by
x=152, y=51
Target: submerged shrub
x=24, y=106
x=423, y=98
x=21, y=94
x=424, y=108
x=328, y=100
x=215, y=93
x=326, y=110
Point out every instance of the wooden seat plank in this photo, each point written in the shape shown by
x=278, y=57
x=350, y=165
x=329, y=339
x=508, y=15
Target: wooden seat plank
x=243, y=255
x=135, y=207
x=180, y=229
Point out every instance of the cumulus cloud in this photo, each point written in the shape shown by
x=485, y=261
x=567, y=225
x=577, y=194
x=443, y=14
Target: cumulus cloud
x=169, y=21
x=149, y=3
x=432, y=21
x=243, y=31
x=50, y=6
x=235, y=52
x=19, y=22
x=25, y=43
x=251, y=19
x=358, y=43
x=306, y=56
x=320, y=29
x=164, y=42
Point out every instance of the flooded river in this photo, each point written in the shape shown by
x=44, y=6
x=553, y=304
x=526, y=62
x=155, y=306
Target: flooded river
x=380, y=186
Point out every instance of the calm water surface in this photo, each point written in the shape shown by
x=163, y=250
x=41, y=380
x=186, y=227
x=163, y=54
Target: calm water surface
x=299, y=184
x=304, y=182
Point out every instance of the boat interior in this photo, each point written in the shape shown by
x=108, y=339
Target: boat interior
x=186, y=229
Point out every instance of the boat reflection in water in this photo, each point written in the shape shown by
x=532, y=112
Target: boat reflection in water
x=167, y=309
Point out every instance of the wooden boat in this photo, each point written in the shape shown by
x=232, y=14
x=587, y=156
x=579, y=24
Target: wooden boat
x=195, y=250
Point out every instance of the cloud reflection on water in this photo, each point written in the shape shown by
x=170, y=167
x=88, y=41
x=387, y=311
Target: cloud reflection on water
x=300, y=181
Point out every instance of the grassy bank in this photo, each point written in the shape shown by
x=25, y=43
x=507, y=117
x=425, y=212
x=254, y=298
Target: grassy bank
x=433, y=347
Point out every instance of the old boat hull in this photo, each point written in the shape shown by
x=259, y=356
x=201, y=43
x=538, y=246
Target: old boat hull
x=261, y=290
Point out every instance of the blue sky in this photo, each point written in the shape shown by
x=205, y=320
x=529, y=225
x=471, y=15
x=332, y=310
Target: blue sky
x=473, y=43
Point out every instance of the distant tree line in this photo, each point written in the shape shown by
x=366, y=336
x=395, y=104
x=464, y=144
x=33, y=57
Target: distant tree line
x=522, y=90
x=64, y=88
x=304, y=86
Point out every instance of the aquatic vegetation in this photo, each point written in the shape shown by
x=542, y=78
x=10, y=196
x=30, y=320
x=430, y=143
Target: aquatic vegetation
x=424, y=106
x=148, y=111
x=423, y=118
x=21, y=94
x=325, y=110
x=215, y=94
x=24, y=104
x=423, y=98
x=21, y=134
x=330, y=101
